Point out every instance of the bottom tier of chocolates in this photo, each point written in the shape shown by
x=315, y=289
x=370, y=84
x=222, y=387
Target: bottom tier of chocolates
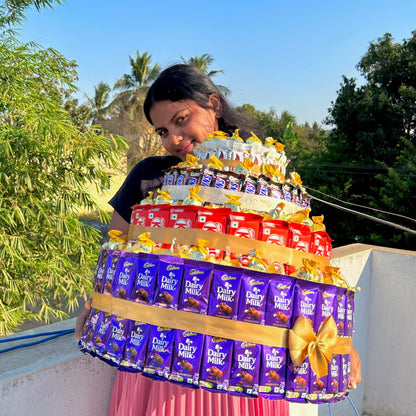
x=216, y=363
x=212, y=363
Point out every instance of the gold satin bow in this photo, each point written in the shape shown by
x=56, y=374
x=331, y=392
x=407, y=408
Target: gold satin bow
x=303, y=342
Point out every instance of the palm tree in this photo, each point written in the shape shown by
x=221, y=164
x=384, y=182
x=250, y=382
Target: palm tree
x=129, y=120
x=202, y=63
x=99, y=103
x=133, y=86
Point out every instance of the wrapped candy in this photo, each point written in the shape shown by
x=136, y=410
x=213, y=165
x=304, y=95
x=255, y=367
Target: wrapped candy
x=215, y=163
x=143, y=244
x=318, y=223
x=233, y=202
x=245, y=167
x=299, y=217
x=200, y=251
x=277, y=212
x=163, y=197
x=256, y=261
x=273, y=172
x=236, y=135
x=116, y=236
x=269, y=141
x=254, y=139
x=190, y=162
x=218, y=135
x=148, y=200
x=309, y=271
x=279, y=147
x=193, y=198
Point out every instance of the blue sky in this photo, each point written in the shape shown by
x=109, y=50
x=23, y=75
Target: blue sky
x=285, y=54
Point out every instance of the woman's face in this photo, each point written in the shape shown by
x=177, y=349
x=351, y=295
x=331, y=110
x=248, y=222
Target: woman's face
x=184, y=124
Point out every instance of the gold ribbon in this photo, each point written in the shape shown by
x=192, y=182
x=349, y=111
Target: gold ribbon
x=190, y=236
x=301, y=340
x=203, y=324
x=319, y=347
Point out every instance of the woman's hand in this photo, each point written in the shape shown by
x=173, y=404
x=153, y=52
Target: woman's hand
x=355, y=376
x=82, y=318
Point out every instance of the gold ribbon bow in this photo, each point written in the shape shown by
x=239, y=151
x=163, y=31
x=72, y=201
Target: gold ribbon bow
x=303, y=342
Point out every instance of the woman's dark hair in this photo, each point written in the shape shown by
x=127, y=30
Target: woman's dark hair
x=186, y=82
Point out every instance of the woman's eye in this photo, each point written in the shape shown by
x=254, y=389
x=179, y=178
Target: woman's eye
x=161, y=133
x=181, y=119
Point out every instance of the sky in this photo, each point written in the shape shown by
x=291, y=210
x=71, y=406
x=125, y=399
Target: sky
x=289, y=55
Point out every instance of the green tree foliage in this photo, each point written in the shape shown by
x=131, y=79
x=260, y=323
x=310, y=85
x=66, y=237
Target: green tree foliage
x=133, y=86
x=127, y=109
x=100, y=104
x=81, y=114
x=203, y=63
x=302, y=143
x=369, y=158
x=46, y=164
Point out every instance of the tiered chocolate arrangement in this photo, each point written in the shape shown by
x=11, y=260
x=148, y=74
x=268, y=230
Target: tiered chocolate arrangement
x=224, y=282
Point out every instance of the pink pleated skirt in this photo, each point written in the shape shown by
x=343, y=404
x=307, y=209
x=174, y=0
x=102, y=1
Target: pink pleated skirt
x=136, y=395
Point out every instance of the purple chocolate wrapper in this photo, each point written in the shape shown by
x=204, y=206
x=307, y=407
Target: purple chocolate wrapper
x=159, y=352
x=124, y=275
x=110, y=271
x=115, y=340
x=245, y=369
x=317, y=388
x=97, y=345
x=340, y=313
x=272, y=381
x=196, y=283
x=216, y=364
x=327, y=304
x=332, y=379
x=100, y=269
x=169, y=280
x=253, y=297
x=297, y=381
x=346, y=371
x=298, y=376
x=349, y=314
x=187, y=357
x=225, y=288
x=136, y=345
x=279, y=305
x=145, y=283
x=305, y=300
x=86, y=341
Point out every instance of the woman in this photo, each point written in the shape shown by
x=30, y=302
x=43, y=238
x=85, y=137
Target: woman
x=184, y=106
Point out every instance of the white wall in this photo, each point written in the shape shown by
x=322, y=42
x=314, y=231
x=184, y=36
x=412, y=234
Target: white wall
x=385, y=334
x=53, y=378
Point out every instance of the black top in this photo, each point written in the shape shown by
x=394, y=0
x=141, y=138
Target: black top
x=146, y=176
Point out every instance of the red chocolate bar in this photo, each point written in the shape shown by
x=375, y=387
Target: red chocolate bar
x=183, y=216
x=275, y=232
x=299, y=237
x=140, y=215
